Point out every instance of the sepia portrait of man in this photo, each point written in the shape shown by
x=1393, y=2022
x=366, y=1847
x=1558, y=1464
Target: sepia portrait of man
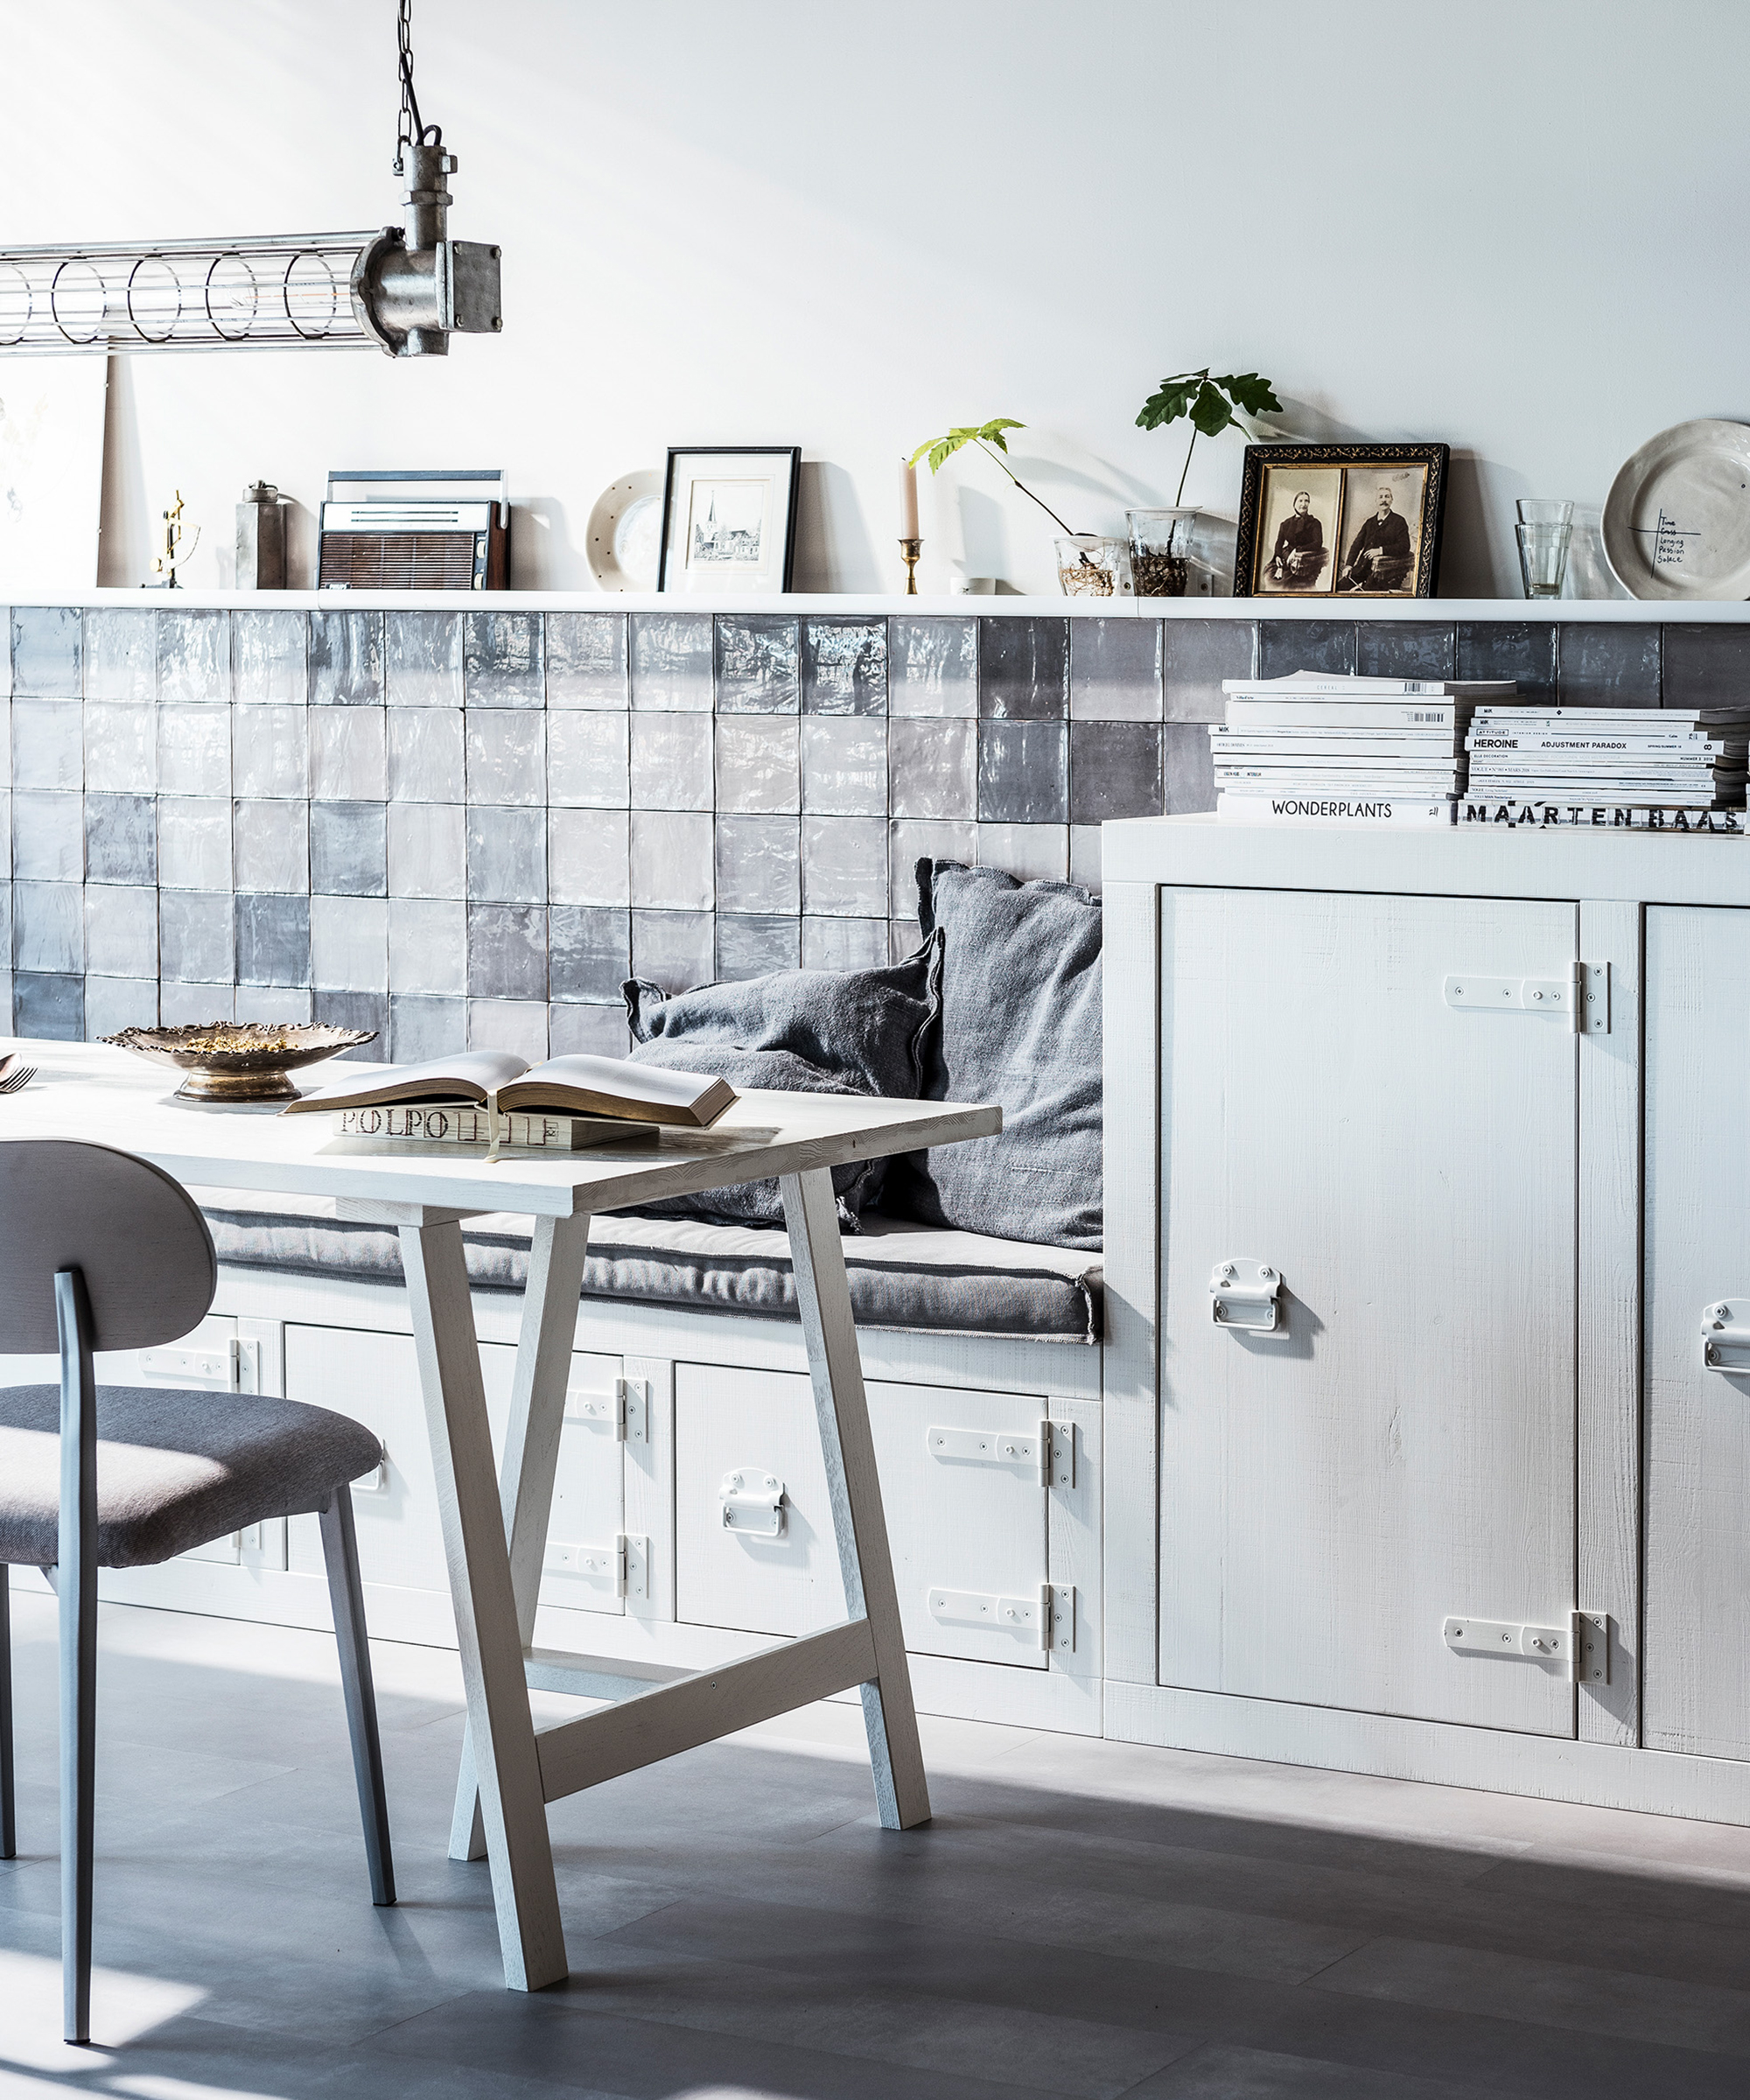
x=1380, y=523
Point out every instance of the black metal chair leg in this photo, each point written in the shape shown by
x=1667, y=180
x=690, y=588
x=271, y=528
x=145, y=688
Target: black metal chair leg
x=9, y=1816
x=76, y=1588
x=339, y=1549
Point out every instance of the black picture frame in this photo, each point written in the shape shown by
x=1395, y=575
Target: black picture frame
x=1254, y=562
x=792, y=452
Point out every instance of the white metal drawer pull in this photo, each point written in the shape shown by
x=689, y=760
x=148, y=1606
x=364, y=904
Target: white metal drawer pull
x=753, y=1502
x=376, y=1481
x=1725, y=1335
x=1246, y=1295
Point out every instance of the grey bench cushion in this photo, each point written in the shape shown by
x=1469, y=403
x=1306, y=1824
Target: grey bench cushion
x=175, y=1469
x=902, y=1275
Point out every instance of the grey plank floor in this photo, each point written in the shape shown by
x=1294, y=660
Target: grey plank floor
x=1086, y=1919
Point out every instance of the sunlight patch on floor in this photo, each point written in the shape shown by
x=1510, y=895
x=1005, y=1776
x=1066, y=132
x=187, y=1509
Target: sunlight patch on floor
x=124, y=2006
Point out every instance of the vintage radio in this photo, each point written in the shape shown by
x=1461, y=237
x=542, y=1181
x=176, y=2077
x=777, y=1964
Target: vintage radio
x=422, y=540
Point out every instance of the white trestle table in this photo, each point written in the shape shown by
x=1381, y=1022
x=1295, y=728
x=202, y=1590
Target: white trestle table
x=494, y=1532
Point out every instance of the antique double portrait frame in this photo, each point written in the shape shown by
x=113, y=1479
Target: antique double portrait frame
x=1341, y=521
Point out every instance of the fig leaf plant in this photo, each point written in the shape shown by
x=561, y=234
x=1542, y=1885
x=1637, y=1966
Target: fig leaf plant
x=1209, y=403
x=985, y=436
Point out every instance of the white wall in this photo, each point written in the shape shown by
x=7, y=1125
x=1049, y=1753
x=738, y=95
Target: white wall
x=1518, y=227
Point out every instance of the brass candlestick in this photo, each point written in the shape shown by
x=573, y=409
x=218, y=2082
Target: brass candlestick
x=910, y=549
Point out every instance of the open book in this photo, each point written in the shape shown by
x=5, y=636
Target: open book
x=564, y=1086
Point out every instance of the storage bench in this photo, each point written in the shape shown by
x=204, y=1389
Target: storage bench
x=983, y=1359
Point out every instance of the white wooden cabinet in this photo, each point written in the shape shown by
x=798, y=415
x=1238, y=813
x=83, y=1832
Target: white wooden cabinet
x=1698, y=1255
x=374, y=1377
x=640, y=1563
x=1477, y=1101
x=1400, y=1445
x=966, y=1485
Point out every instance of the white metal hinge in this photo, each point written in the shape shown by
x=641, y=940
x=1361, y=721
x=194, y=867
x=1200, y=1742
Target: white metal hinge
x=1580, y=1648
x=1035, y=1449
x=622, y=1566
x=1725, y=1335
x=1594, y=1014
x=1047, y=1621
x=1583, y=995
x=214, y=1364
x=1246, y=1295
x=753, y=1502
x=606, y=1405
x=1591, y=1647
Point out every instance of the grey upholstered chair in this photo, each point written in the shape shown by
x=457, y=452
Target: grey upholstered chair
x=99, y=1250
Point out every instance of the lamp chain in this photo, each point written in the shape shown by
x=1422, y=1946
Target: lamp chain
x=409, y=130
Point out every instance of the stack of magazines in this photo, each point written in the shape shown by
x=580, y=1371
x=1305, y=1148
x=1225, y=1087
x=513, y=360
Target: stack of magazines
x=1644, y=768
x=1344, y=750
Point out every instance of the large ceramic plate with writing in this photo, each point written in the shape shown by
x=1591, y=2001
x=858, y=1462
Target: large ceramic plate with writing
x=1676, y=521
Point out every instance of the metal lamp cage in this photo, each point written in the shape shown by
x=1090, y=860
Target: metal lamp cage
x=280, y=291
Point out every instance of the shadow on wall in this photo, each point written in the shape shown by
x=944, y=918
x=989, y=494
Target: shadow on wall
x=1474, y=563
x=834, y=551
x=983, y=535
x=123, y=556
x=542, y=555
x=1216, y=545
x=302, y=526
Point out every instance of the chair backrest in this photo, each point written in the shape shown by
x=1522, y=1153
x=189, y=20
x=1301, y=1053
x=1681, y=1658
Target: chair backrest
x=137, y=1236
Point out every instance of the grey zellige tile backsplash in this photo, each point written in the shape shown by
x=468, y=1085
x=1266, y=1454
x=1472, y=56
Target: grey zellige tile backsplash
x=472, y=826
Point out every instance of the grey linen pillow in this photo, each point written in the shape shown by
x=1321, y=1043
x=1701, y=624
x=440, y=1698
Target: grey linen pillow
x=757, y=1202
x=1020, y=1025
x=807, y=1031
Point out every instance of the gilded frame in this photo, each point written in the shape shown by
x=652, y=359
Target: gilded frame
x=1253, y=558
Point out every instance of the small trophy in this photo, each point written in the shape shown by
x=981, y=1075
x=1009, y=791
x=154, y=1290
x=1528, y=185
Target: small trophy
x=177, y=546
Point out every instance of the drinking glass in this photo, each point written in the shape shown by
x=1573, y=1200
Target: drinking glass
x=1092, y=564
x=1544, y=527
x=1161, y=556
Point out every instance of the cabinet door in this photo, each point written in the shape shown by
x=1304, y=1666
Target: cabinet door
x=1406, y=1449
x=375, y=1379
x=759, y=1423
x=962, y=1523
x=1695, y=1668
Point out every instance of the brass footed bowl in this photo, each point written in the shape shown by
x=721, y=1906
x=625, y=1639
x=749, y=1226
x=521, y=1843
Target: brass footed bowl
x=239, y=1061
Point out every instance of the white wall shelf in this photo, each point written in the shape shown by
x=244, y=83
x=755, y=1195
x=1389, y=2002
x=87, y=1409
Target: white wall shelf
x=850, y=604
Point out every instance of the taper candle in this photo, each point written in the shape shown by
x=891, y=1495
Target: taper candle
x=908, y=500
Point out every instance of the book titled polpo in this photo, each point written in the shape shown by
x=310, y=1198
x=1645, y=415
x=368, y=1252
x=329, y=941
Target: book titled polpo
x=491, y=1098
x=458, y=1123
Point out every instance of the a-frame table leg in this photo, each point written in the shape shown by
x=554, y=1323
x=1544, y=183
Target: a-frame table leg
x=513, y=1804
x=835, y=1369
x=545, y=1340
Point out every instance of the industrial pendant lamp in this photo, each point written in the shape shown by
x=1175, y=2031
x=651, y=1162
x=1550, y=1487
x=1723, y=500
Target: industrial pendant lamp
x=405, y=289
